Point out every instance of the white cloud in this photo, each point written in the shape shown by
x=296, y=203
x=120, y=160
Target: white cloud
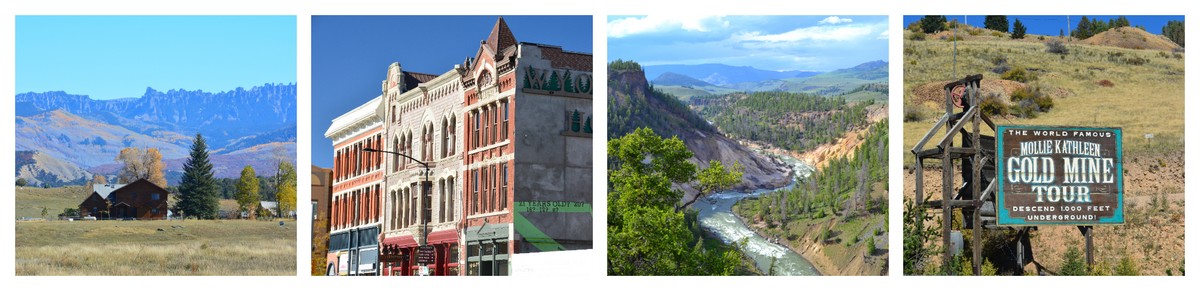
x=820, y=33
x=656, y=23
x=835, y=20
x=883, y=35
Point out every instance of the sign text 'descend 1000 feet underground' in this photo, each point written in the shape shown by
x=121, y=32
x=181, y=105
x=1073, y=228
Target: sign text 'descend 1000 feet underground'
x=1059, y=175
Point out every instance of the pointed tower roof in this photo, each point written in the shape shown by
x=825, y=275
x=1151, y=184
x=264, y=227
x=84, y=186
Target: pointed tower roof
x=501, y=37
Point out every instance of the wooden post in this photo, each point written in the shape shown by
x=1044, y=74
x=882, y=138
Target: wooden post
x=947, y=188
x=1087, y=235
x=976, y=230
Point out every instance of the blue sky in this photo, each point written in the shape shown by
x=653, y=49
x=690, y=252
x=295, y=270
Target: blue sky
x=779, y=43
x=1053, y=24
x=350, y=55
x=110, y=57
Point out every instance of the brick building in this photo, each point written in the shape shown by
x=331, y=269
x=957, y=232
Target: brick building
x=357, y=191
x=501, y=147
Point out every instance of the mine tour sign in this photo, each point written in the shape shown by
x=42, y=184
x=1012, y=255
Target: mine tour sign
x=1059, y=175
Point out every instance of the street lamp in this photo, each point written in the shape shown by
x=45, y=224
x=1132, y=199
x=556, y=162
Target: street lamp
x=426, y=188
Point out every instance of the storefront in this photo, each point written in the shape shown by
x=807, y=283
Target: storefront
x=399, y=255
x=487, y=249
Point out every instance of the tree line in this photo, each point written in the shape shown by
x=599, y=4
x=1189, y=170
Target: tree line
x=793, y=121
x=841, y=189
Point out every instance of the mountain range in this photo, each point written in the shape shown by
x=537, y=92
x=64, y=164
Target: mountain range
x=255, y=126
x=686, y=81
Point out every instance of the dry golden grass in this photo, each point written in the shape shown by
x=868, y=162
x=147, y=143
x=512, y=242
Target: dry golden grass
x=1131, y=38
x=116, y=248
x=1145, y=99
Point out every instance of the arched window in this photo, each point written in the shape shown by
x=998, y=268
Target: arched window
x=453, y=127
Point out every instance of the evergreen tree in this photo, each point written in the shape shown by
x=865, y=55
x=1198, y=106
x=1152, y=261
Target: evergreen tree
x=996, y=22
x=933, y=23
x=1174, y=31
x=1018, y=29
x=1083, y=30
x=198, y=195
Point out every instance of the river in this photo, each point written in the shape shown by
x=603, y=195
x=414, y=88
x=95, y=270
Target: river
x=716, y=215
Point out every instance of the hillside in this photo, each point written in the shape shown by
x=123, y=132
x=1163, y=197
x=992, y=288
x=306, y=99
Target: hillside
x=673, y=79
x=40, y=169
x=633, y=104
x=85, y=142
x=1096, y=83
x=1091, y=85
x=1132, y=38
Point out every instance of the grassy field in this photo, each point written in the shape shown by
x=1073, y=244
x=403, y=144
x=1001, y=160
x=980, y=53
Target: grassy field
x=165, y=247
x=191, y=247
x=1146, y=97
x=31, y=200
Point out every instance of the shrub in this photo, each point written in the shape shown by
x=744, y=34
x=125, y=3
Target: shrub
x=992, y=105
x=916, y=36
x=1028, y=102
x=1055, y=46
x=1073, y=264
x=1127, y=267
x=1001, y=65
x=952, y=38
x=1105, y=83
x=913, y=113
x=1018, y=74
x=974, y=31
x=997, y=34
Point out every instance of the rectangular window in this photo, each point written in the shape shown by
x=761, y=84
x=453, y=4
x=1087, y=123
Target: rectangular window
x=475, y=191
x=487, y=116
x=495, y=184
x=450, y=199
x=487, y=205
x=504, y=185
x=475, y=136
x=495, y=124
x=504, y=125
x=154, y=196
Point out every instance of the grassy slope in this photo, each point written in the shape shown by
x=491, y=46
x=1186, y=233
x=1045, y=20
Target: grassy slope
x=1154, y=89
x=1146, y=99
x=30, y=200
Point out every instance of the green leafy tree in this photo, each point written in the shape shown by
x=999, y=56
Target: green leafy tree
x=933, y=23
x=996, y=22
x=21, y=182
x=646, y=235
x=247, y=192
x=198, y=196
x=1174, y=31
x=1018, y=30
x=286, y=195
x=1073, y=264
